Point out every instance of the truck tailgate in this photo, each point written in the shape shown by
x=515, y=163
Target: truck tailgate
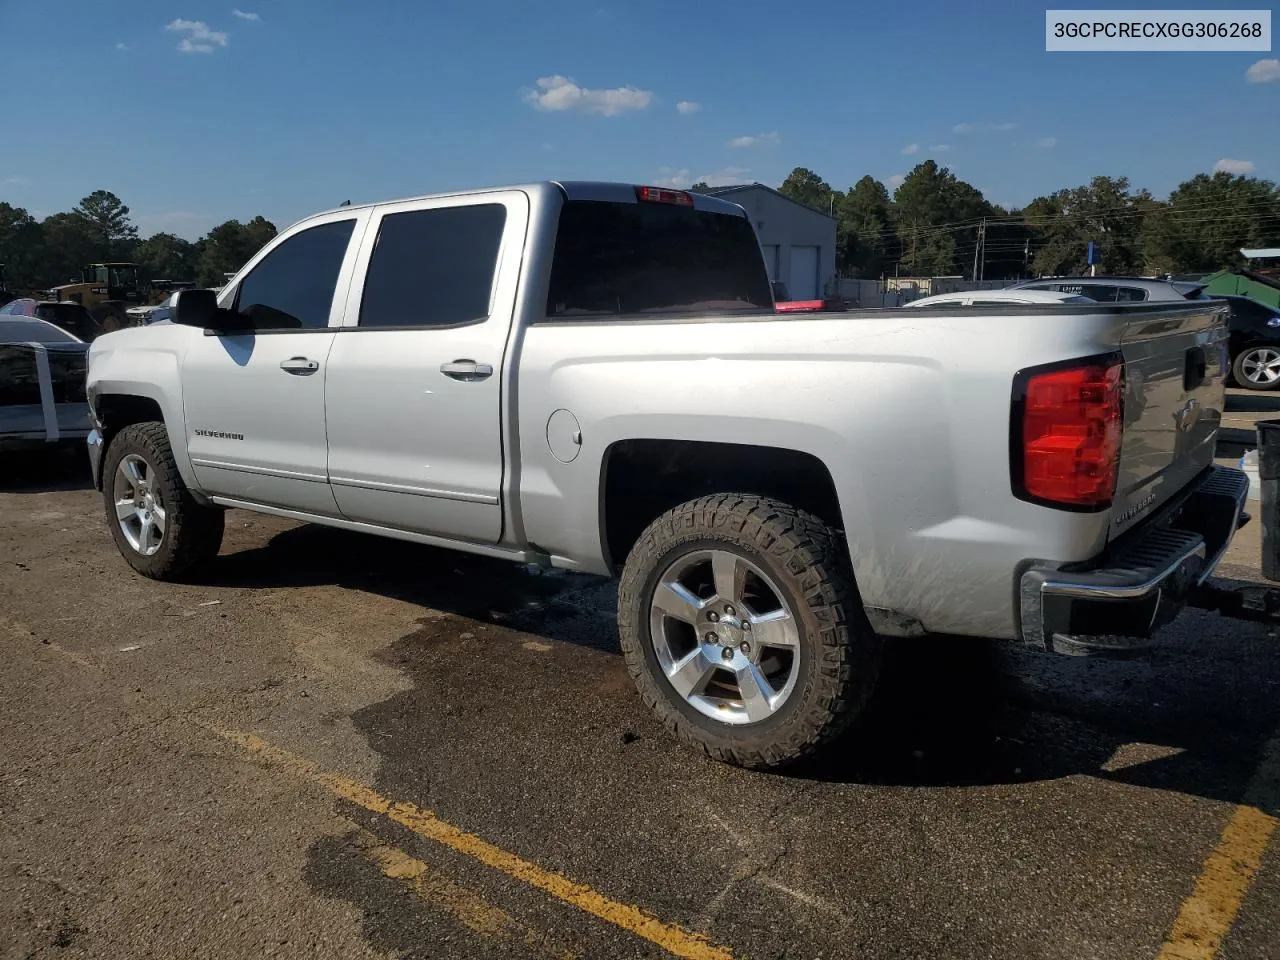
x=1175, y=373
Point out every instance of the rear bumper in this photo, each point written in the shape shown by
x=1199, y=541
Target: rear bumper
x=1118, y=601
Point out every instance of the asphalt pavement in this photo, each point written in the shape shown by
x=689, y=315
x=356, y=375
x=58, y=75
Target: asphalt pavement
x=338, y=746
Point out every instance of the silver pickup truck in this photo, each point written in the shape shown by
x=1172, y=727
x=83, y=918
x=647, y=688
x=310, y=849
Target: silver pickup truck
x=592, y=377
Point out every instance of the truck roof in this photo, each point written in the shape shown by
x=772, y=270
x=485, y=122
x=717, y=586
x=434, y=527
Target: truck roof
x=601, y=190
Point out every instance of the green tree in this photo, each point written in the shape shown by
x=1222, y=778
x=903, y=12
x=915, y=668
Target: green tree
x=937, y=218
x=164, y=256
x=864, y=228
x=70, y=242
x=230, y=245
x=1104, y=211
x=805, y=186
x=109, y=224
x=21, y=247
x=700, y=187
x=1208, y=219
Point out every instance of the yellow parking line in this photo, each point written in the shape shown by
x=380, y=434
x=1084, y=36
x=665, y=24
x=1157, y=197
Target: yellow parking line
x=1207, y=915
x=464, y=905
x=675, y=940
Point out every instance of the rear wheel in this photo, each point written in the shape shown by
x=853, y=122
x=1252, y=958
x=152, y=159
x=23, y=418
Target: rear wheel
x=157, y=525
x=1258, y=367
x=743, y=630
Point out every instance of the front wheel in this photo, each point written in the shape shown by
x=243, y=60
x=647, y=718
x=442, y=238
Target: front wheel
x=157, y=525
x=743, y=630
x=1258, y=367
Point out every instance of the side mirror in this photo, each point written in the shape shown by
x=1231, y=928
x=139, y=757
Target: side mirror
x=195, y=308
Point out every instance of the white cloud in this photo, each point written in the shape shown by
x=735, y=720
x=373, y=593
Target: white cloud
x=688, y=106
x=910, y=148
x=896, y=180
x=683, y=178
x=123, y=46
x=1264, y=71
x=1238, y=167
x=1047, y=143
x=556, y=93
x=940, y=148
x=243, y=15
x=198, y=37
x=760, y=139
x=17, y=181
x=550, y=148
x=984, y=126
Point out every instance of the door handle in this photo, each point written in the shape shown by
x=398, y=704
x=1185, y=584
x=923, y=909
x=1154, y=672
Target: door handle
x=467, y=370
x=300, y=366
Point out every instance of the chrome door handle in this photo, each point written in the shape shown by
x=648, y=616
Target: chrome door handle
x=300, y=366
x=467, y=370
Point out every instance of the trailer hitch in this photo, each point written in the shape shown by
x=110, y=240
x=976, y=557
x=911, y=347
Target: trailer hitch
x=1249, y=601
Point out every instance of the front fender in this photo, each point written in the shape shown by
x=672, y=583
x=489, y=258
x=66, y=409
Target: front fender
x=143, y=362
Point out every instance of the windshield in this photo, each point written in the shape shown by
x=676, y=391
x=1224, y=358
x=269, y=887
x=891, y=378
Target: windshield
x=126, y=277
x=638, y=259
x=26, y=330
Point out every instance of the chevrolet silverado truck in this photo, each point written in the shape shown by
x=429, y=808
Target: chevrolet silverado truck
x=592, y=377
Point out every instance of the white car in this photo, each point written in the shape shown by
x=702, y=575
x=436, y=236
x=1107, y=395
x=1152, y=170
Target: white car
x=996, y=298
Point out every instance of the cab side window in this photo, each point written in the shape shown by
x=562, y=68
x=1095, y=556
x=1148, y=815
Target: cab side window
x=292, y=287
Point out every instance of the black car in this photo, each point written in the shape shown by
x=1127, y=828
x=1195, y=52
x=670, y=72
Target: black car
x=1254, y=343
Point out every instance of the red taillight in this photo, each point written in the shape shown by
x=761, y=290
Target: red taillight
x=1068, y=441
x=663, y=195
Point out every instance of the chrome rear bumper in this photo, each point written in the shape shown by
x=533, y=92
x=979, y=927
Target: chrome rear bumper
x=1120, y=599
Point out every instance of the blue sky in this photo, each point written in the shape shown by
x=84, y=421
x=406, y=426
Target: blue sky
x=195, y=112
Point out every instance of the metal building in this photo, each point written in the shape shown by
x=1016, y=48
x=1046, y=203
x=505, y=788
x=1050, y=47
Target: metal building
x=799, y=242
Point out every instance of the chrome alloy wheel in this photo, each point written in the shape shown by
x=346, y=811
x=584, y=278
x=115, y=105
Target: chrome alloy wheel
x=139, y=509
x=1261, y=366
x=724, y=636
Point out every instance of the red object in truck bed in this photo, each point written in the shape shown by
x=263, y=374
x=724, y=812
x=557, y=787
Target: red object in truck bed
x=809, y=306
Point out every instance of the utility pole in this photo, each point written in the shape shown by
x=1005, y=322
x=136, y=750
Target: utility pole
x=1026, y=255
x=980, y=245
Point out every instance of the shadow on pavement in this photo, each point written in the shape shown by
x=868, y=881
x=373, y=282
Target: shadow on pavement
x=948, y=712
x=45, y=469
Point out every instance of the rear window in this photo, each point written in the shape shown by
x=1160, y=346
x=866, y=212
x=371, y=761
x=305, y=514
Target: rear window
x=23, y=330
x=638, y=259
x=1103, y=292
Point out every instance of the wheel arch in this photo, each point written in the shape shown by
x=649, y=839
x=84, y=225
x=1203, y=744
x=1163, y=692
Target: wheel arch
x=118, y=407
x=640, y=479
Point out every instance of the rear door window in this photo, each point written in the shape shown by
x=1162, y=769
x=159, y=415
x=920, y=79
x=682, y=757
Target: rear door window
x=634, y=260
x=433, y=268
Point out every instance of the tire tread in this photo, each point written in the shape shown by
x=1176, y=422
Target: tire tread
x=847, y=650
x=193, y=532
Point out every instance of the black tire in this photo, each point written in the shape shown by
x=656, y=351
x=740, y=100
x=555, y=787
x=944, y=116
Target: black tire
x=1238, y=372
x=109, y=317
x=192, y=532
x=838, y=654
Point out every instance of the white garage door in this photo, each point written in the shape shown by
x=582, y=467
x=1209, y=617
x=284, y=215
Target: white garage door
x=803, y=284
x=771, y=259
